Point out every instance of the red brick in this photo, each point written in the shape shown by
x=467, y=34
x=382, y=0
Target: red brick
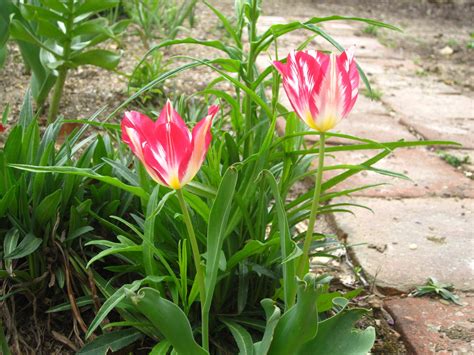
x=431, y=327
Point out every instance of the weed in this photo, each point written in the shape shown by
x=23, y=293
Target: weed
x=470, y=43
x=371, y=30
x=432, y=287
x=421, y=73
x=375, y=94
x=452, y=43
x=454, y=160
x=150, y=69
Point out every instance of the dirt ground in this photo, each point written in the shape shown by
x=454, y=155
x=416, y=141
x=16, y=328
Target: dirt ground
x=437, y=37
x=428, y=30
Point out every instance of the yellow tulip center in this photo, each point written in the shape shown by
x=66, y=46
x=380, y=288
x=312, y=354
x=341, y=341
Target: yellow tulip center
x=174, y=182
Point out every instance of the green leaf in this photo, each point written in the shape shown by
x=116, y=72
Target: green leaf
x=27, y=246
x=349, y=339
x=135, y=190
x=92, y=27
x=154, y=207
x=300, y=323
x=162, y=348
x=253, y=247
x=169, y=319
x=225, y=22
x=98, y=57
x=114, y=300
x=7, y=200
x=242, y=337
x=95, y=6
x=216, y=230
x=273, y=315
x=3, y=55
x=26, y=112
x=47, y=29
x=48, y=207
x=81, y=302
x=287, y=245
x=19, y=31
x=10, y=242
x=113, y=341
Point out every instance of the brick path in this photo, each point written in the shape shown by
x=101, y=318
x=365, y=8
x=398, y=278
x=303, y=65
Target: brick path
x=420, y=228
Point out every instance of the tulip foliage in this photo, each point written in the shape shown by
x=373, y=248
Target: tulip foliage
x=210, y=260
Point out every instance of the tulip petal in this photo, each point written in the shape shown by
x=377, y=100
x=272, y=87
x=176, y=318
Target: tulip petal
x=169, y=149
x=350, y=78
x=135, y=126
x=169, y=114
x=201, y=138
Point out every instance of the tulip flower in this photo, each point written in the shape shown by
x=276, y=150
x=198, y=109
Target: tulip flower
x=322, y=88
x=2, y=129
x=171, y=154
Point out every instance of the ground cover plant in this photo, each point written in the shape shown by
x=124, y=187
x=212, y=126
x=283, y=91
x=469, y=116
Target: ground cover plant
x=195, y=247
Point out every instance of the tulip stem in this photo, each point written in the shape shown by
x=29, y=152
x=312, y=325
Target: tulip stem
x=303, y=261
x=199, y=272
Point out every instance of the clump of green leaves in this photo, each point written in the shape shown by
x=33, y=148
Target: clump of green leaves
x=454, y=160
x=434, y=287
x=148, y=70
x=159, y=18
x=59, y=36
x=371, y=30
x=374, y=94
x=421, y=73
x=470, y=43
x=45, y=219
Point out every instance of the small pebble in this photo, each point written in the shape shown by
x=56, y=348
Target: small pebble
x=446, y=51
x=413, y=246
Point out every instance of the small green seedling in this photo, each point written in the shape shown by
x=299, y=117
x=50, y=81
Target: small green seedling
x=371, y=30
x=375, y=94
x=432, y=286
x=454, y=160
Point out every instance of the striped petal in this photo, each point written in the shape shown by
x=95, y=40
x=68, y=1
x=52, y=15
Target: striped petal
x=169, y=114
x=168, y=151
x=135, y=128
x=201, y=138
x=135, y=125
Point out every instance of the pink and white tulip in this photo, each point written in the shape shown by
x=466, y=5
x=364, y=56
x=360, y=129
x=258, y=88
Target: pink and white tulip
x=322, y=88
x=171, y=154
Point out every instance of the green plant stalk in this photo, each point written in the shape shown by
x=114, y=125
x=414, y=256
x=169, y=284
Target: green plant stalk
x=314, y=210
x=58, y=93
x=252, y=28
x=59, y=86
x=199, y=273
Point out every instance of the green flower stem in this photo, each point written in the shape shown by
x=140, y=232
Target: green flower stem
x=199, y=272
x=301, y=271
